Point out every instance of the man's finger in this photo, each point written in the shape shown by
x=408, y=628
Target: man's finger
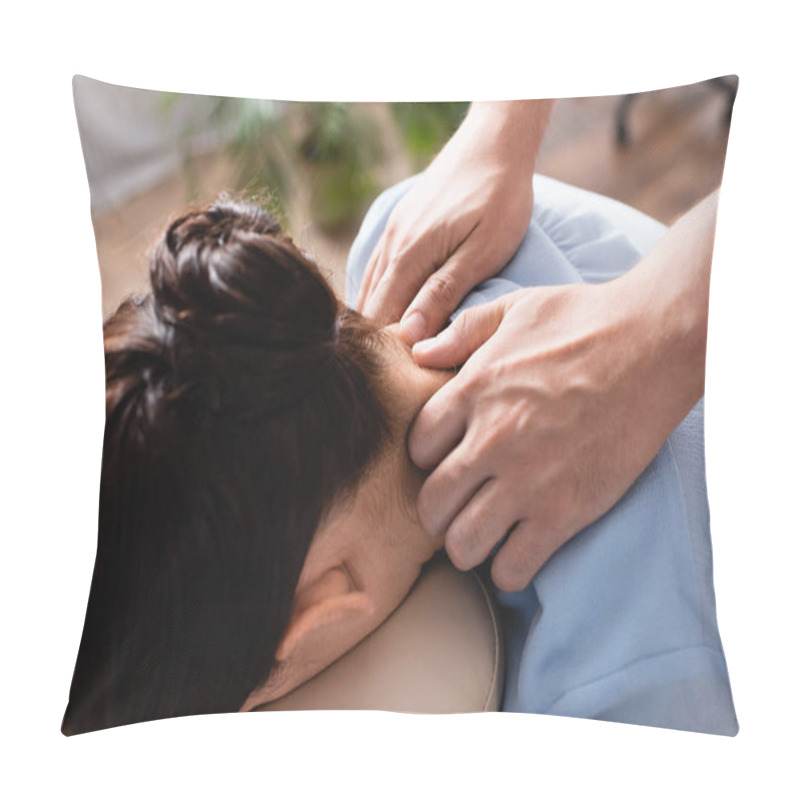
x=456, y=343
x=407, y=266
x=483, y=521
x=449, y=488
x=439, y=426
x=439, y=296
x=520, y=558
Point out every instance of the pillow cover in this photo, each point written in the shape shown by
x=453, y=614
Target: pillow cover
x=176, y=610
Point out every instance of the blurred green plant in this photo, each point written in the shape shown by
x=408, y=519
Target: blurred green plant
x=256, y=138
x=334, y=147
x=260, y=152
x=187, y=130
x=341, y=146
x=426, y=127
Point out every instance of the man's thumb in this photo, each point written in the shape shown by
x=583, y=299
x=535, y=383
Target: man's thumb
x=456, y=343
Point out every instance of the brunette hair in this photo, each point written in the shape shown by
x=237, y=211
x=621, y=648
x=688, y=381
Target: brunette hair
x=242, y=400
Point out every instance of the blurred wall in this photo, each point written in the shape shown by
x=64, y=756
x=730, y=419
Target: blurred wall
x=129, y=136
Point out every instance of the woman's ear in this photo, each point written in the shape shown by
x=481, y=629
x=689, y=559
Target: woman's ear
x=320, y=610
x=329, y=616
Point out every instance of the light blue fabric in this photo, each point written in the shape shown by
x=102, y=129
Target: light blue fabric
x=620, y=624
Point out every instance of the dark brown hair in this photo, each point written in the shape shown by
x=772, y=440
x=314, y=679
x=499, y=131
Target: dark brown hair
x=241, y=403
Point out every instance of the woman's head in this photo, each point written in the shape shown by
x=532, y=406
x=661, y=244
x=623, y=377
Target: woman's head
x=246, y=409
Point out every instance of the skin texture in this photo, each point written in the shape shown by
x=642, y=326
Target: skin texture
x=461, y=223
x=565, y=395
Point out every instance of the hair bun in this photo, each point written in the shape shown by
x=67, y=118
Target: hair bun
x=243, y=302
x=232, y=259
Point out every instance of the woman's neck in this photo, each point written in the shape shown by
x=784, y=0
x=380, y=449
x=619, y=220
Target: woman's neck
x=406, y=389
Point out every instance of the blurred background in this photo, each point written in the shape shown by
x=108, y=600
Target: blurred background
x=318, y=166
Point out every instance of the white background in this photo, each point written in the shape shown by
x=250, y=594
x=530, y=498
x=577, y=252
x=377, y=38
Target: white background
x=52, y=385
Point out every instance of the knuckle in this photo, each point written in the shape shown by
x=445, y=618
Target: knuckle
x=390, y=273
x=497, y=444
x=495, y=434
x=509, y=574
x=556, y=514
x=391, y=230
x=462, y=322
x=394, y=265
x=464, y=537
x=401, y=259
x=472, y=463
x=474, y=380
x=443, y=288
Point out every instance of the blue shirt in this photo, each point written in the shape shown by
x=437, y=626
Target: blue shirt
x=620, y=624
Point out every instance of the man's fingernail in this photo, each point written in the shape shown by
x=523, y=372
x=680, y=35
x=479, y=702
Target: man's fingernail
x=412, y=327
x=420, y=348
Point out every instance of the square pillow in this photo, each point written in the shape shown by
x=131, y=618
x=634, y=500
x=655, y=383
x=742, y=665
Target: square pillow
x=245, y=415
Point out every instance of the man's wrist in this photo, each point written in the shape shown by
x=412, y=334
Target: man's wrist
x=515, y=128
x=663, y=332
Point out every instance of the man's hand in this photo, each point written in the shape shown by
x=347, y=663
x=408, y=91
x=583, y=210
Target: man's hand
x=565, y=396
x=460, y=224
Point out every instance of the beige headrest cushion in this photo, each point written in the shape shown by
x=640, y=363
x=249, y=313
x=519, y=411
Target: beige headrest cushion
x=439, y=652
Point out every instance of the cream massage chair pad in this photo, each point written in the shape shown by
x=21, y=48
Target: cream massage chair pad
x=439, y=652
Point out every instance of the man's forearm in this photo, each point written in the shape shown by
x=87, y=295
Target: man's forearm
x=669, y=290
x=515, y=128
